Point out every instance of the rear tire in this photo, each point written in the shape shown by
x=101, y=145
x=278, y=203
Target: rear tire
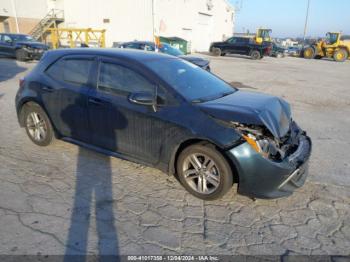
x=21, y=55
x=37, y=124
x=255, y=55
x=340, y=55
x=309, y=53
x=210, y=175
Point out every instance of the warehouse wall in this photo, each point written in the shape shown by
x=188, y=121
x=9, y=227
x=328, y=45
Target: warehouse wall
x=198, y=21
x=132, y=19
x=123, y=20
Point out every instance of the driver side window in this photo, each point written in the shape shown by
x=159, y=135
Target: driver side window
x=6, y=39
x=232, y=40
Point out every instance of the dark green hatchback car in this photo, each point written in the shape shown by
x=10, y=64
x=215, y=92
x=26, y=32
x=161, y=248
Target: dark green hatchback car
x=168, y=113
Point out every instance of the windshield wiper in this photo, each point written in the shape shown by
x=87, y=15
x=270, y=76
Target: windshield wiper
x=213, y=97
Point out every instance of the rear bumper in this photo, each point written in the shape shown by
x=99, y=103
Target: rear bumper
x=263, y=178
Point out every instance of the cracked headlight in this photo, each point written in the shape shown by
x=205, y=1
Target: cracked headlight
x=261, y=141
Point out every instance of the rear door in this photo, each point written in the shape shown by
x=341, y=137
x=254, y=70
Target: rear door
x=65, y=93
x=242, y=45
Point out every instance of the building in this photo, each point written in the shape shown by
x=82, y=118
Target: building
x=198, y=21
x=27, y=13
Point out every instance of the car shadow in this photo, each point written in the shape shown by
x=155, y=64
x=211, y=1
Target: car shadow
x=93, y=192
x=9, y=68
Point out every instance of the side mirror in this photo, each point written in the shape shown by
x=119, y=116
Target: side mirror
x=146, y=99
x=8, y=41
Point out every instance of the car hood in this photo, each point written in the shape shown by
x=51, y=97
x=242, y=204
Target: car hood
x=33, y=44
x=252, y=109
x=195, y=60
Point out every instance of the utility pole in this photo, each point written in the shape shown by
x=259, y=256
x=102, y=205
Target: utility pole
x=153, y=23
x=306, y=21
x=15, y=14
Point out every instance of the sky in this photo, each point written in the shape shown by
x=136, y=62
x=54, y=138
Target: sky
x=286, y=18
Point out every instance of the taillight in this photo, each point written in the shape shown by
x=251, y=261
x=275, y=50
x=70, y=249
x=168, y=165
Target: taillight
x=21, y=82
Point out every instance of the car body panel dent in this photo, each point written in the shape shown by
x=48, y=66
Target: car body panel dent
x=252, y=108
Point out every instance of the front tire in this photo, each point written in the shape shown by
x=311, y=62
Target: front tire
x=204, y=172
x=21, y=55
x=37, y=125
x=309, y=53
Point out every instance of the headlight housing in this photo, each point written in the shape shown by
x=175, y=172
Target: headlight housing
x=262, y=141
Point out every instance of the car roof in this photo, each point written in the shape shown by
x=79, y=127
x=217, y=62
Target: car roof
x=128, y=54
x=12, y=34
x=139, y=42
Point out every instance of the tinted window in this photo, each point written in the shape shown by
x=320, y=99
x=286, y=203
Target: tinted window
x=121, y=80
x=232, y=40
x=132, y=46
x=192, y=82
x=23, y=38
x=77, y=70
x=74, y=71
x=168, y=49
x=242, y=40
x=146, y=47
x=6, y=38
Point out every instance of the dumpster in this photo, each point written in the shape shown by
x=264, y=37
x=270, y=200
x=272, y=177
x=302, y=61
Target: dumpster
x=176, y=42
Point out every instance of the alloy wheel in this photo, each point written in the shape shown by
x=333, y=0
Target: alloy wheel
x=201, y=173
x=36, y=126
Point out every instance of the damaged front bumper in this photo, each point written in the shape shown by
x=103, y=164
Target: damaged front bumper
x=260, y=177
x=34, y=53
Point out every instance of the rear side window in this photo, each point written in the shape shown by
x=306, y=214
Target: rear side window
x=118, y=79
x=77, y=71
x=74, y=71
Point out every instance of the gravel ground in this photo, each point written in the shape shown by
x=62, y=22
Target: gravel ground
x=63, y=199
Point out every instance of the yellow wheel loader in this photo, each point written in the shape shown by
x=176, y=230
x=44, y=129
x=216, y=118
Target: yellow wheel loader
x=263, y=35
x=331, y=47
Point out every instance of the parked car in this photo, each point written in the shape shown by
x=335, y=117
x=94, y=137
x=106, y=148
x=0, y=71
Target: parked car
x=20, y=46
x=241, y=46
x=167, y=49
x=278, y=51
x=293, y=51
x=162, y=111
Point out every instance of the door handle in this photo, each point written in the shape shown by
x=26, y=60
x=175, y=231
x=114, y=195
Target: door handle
x=47, y=88
x=95, y=101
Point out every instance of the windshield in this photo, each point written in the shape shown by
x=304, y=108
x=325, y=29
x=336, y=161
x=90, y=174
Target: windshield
x=22, y=38
x=265, y=34
x=192, y=82
x=168, y=49
x=332, y=38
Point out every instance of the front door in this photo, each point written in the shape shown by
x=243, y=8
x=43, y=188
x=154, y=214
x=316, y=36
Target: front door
x=230, y=45
x=116, y=123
